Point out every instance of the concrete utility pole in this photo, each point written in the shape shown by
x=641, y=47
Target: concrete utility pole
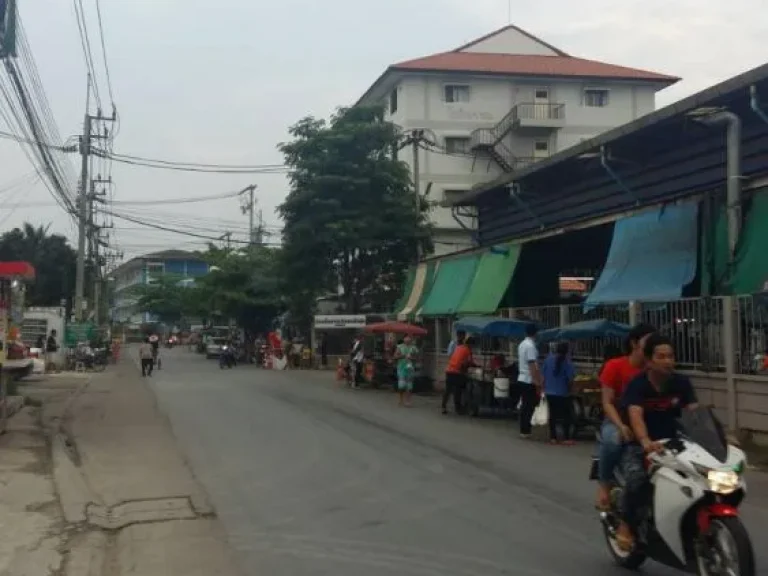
x=82, y=214
x=249, y=208
x=94, y=236
x=227, y=238
x=84, y=206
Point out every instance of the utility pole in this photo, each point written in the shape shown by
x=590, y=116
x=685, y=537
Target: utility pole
x=249, y=207
x=260, y=229
x=83, y=232
x=414, y=140
x=227, y=238
x=94, y=236
x=82, y=210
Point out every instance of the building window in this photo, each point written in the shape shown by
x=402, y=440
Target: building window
x=457, y=145
x=541, y=149
x=456, y=93
x=393, y=101
x=154, y=271
x=595, y=98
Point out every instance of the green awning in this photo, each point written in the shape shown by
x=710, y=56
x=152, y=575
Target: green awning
x=749, y=274
x=492, y=277
x=452, y=279
x=407, y=289
x=422, y=283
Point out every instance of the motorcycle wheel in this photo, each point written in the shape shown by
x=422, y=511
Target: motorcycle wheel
x=728, y=550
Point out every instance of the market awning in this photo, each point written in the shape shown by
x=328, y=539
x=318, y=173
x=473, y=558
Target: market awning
x=407, y=289
x=23, y=270
x=422, y=282
x=491, y=280
x=493, y=326
x=452, y=280
x=749, y=273
x=652, y=257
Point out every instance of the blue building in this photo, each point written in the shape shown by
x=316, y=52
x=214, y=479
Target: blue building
x=144, y=270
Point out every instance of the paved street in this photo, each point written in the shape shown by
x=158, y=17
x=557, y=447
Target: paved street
x=310, y=479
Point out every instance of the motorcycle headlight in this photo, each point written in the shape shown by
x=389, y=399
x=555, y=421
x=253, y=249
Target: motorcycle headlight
x=721, y=481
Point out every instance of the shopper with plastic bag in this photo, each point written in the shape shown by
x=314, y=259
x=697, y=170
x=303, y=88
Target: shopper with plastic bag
x=558, y=373
x=529, y=381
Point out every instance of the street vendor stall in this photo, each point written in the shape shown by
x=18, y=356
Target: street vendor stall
x=11, y=273
x=587, y=394
x=380, y=367
x=488, y=386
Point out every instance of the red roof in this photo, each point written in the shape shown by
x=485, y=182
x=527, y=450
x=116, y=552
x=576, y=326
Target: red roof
x=527, y=65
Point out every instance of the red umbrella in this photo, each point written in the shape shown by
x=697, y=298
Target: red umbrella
x=395, y=328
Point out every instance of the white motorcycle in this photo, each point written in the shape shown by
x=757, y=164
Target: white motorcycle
x=691, y=517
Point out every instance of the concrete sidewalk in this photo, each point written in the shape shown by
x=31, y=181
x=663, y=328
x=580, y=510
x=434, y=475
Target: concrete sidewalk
x=126, y=493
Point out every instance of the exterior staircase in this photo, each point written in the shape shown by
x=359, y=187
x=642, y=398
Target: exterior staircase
x=491, y=140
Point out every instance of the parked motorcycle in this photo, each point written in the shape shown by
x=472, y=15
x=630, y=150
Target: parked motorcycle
x=691, y=517
x=227, y=357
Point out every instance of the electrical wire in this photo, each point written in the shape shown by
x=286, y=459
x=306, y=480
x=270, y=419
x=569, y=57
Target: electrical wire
x=213, y=169
x=86, y=44
x=176, y=200
x=104, y=52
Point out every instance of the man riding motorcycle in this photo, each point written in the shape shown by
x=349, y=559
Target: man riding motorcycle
x=652, y=404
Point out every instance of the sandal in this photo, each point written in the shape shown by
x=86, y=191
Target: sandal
x=625, y=543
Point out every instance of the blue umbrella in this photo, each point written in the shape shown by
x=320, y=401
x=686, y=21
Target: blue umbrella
x=584, y=330
x=493, y=326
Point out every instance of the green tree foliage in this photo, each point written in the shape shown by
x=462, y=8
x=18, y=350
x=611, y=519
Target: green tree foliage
x=167, y=298
x=351, y=218
x=51, y=255
x=241, y=285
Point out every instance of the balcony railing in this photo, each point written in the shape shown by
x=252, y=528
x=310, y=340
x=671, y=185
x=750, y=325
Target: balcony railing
x=532, y=113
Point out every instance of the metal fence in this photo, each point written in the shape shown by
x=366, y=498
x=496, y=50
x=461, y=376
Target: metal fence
x=696, y=326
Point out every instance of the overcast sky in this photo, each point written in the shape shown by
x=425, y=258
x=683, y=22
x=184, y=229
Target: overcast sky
x=220, y=82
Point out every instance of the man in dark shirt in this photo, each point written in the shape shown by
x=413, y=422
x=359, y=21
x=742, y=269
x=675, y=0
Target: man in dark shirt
x=652, y=403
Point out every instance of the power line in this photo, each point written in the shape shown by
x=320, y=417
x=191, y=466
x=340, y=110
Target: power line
x=104, y=52
x=176, y=231
x=192, y=167
x=87, y=53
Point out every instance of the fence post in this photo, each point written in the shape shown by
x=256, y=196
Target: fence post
x=564, y=320
x=438, y=338
x=730, y=340
x=634, y=312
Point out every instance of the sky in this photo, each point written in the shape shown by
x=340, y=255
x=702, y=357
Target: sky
x=221, y=82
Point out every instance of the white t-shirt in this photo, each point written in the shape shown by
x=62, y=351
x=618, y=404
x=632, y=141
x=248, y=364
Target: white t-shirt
x=526, y=352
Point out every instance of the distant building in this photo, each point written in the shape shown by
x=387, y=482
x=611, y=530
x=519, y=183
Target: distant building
x=145, y=270
x=497, y=105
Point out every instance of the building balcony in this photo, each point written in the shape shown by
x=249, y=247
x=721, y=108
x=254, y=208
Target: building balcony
x=486, y=141
x=536, y=115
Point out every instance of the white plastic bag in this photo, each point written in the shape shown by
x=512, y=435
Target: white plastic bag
x=541, y=414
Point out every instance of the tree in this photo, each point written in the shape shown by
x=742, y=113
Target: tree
x=351, y=217
x=242, y=285
x=167, y=298
x=51, y=255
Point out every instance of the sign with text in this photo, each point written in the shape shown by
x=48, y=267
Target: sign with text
x=341, y=321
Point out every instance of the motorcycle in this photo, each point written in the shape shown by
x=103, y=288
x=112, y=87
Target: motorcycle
x=226, y=357
x=691, y=517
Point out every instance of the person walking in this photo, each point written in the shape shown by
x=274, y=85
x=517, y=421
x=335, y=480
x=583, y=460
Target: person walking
x=529, y=381
x=51, y=348
x=558, y=374
x=357, y=358
x=146, y=355
x=405, y=354
x=456, y=374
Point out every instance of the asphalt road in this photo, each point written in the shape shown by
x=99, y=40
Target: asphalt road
x=310, y=479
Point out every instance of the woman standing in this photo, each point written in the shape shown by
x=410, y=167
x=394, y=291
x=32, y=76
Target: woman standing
x=405, y=356
x=558, y=373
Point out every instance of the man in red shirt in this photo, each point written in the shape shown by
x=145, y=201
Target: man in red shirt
x=614, y=432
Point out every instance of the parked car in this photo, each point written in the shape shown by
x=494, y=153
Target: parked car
x=213, y=348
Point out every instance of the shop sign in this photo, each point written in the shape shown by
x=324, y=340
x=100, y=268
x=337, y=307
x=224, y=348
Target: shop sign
x=336, y=322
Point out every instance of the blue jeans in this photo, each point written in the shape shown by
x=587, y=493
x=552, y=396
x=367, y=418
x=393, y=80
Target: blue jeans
x=611, y=447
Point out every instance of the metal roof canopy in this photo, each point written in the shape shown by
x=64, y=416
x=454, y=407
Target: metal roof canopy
x=661, y=157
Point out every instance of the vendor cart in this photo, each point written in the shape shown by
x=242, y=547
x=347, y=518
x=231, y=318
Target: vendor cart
x=380, y=367
x=587, y=392
x=491, y=392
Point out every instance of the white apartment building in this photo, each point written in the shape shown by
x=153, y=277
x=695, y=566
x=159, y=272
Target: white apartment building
x=498, y=104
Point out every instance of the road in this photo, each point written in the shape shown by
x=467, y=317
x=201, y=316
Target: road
x=310, y=479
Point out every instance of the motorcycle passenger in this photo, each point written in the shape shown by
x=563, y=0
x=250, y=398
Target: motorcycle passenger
x=614, y=433
x=653, y=402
